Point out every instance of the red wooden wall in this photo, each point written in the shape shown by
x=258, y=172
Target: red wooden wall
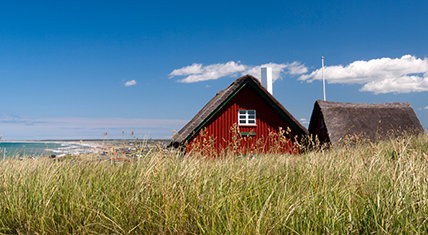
x=267, y=117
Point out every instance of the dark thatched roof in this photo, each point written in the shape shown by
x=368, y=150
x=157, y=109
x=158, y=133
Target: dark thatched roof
x=372, y=121
x=220, y=99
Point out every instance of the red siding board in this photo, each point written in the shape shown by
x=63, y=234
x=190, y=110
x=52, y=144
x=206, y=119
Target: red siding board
x=268, y=119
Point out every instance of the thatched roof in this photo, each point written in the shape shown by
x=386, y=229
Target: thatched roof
x=372, y=121
x=221, y=98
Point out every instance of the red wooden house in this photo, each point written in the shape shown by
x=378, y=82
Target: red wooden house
x=244, y=116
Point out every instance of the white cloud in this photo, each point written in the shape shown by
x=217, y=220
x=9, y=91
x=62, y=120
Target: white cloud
x=426, y=107
x=304, y=120
x=384, y=75
x=197, y=72
x=403, y=84
x=130, y=83
x=294, y=68
x=191, y=69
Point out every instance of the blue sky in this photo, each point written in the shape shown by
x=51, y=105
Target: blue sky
x=78, y=69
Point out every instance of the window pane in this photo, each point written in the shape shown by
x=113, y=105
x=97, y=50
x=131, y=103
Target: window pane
x=247, y=117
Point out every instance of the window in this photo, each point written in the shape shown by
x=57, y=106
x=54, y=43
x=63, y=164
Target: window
x=247, y=117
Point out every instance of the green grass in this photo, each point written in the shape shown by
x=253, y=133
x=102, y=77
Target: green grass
x=364, y=188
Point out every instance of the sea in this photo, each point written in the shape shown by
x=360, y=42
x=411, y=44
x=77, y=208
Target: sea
x=41, y=149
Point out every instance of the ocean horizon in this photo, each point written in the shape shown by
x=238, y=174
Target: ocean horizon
x=17, y=149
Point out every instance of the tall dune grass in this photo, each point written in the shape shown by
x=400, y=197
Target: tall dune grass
x=364, y=188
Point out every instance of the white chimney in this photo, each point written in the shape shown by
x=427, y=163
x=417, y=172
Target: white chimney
x=267, y=79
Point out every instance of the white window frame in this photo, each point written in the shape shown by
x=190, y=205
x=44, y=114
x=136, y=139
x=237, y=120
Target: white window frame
x=247, y=117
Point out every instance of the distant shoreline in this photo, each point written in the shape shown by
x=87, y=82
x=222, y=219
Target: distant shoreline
x=97, y=143
x=93, y=144
x=44, y=141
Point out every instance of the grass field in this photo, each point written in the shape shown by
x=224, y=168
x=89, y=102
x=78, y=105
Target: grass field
x=364, y=188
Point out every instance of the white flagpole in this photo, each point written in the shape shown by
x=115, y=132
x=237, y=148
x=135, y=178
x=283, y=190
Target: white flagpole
x=323, y=80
